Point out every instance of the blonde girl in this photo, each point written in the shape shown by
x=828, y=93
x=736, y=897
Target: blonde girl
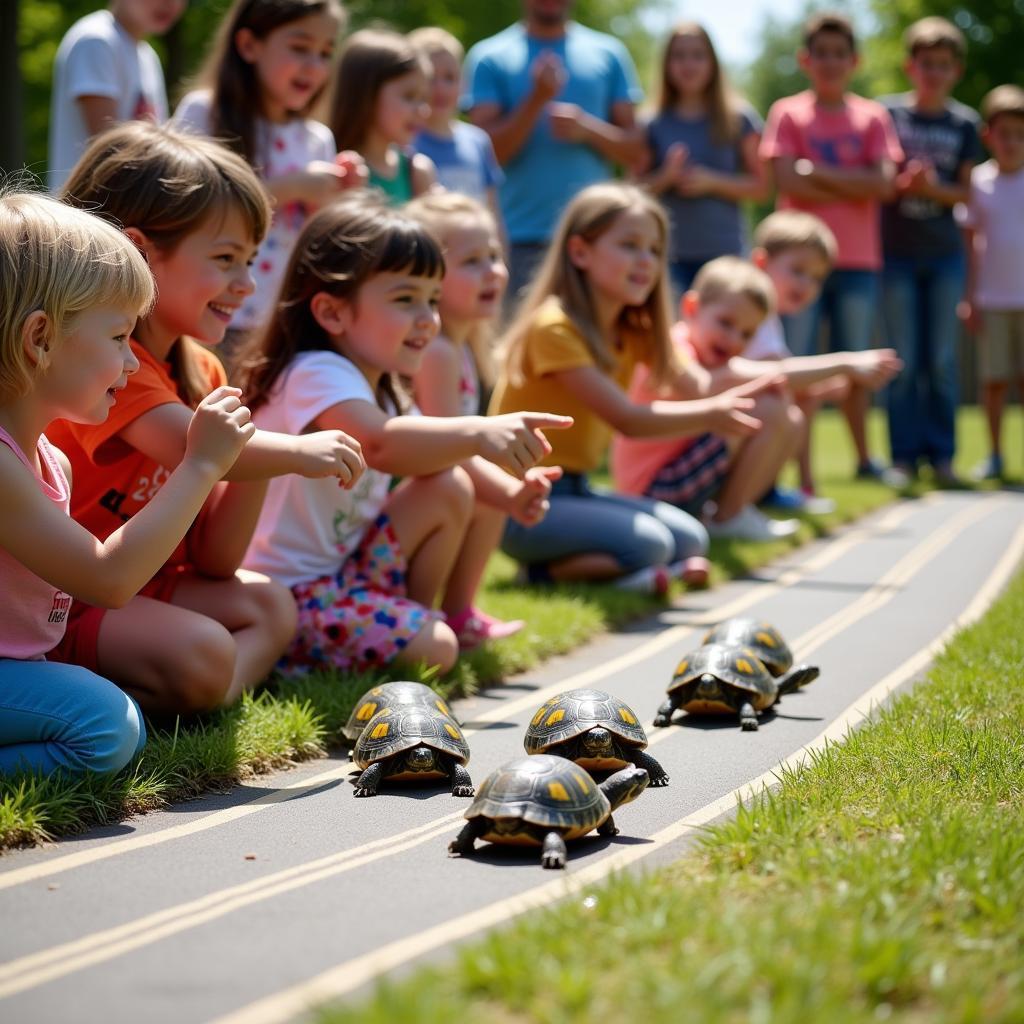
x=379, y=106
x=201, y=632
x=71, y=287
x=449, y=384
x=599, y=308
x=702, y=151
x=263, y=78
x=358, y=309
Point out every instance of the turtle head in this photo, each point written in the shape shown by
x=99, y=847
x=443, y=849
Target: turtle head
x=707, y=687
x=420, y=759
x=598, y=743
x=625, y=785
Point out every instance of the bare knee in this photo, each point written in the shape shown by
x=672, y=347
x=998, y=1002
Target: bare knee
x=434, y=645
x=451, y=491
x=270, y=608
x=198, y=675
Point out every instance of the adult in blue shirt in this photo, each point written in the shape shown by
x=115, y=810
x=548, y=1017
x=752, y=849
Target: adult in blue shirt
x=558, y=101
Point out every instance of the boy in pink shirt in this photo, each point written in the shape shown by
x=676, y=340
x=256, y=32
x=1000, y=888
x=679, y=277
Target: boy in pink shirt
x=834, y=154
x=993, y=220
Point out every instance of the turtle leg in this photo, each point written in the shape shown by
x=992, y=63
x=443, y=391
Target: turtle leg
x=367, y=783
x=659, y=777
x=462, y=784
x=463, y=844
x=798, y=677
x=748, y=717
x=554, y=853
x=664, y=715
x=608, y=827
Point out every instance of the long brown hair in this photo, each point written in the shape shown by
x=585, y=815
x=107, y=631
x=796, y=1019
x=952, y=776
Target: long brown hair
x=589, y=215
x=167, y=184
x=723, y=104
x=338, y=251
x=369, y=60
x=235, y=91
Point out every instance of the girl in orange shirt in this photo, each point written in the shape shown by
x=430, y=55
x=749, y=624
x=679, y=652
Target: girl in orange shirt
x=201, y=632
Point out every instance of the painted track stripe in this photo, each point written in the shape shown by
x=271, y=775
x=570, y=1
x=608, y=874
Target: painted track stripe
x=351, y=974
x=830, y=553
x=57, y=961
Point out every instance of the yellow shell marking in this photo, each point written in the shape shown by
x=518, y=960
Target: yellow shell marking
x=380, y=730
x=540, y=714
x=555, y=716
x=557, y=791
x=682, y=667
x=766, y=639
x=452, y=731
x=627, y=716
x=442, y=707
x=366, y=712
x=744, y=666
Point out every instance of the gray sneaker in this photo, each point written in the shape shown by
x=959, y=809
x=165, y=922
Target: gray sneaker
x=752, y=524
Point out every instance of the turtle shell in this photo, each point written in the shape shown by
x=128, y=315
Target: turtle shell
x=392, y=695
x=763, y=639
x=394, y=730
x=543, y=790
x=575, y=712
x=737, y=667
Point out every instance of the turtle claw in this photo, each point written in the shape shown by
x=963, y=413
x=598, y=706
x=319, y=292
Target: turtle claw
x=463, y=791
x=658, y=781
x=660, y=721
x=364, y=791
x=552, y=859
x=748, y=724
x=454, y=850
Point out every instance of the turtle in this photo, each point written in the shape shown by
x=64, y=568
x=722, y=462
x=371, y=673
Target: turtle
x=596, y=730
x=544, y=800
x=392, y=695
x=720, y=678
x=411, y=742
x=763, y=639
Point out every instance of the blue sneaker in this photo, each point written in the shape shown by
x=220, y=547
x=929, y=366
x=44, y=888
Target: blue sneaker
x=783, y=498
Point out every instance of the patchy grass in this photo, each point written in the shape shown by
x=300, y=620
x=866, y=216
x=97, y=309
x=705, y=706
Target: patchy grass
x=883, y=881
x=294, y=721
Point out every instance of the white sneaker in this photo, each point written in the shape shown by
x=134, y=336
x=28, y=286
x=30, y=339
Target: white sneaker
x=653, y=579
x=752, y=524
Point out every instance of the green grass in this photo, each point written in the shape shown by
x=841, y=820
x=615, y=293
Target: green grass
x=883, y=881
x=291, y=722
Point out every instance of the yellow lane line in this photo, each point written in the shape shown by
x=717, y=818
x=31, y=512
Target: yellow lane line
x=830, y=553
x=351, y=974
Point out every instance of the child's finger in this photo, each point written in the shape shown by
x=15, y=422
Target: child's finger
x=546, y=421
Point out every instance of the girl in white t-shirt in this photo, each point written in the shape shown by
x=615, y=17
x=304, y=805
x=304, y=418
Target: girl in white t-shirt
x=265, y=72
x=449, y=384
x=358, y=308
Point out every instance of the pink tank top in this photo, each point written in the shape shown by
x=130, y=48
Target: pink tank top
x=34, y=612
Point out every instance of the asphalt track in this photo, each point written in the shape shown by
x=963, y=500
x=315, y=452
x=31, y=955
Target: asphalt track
x=251, y=906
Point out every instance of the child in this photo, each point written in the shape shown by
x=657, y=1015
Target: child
x=994, y=229
x=729, y=301
x=358, y=308
x=201, y=633
x=379, y=106
x=834, y=154
x=266, y=71
x=796, y=250
x=448, y=384
x=923, y=278
x=71, y=289
x=105, y=72
x=462, y=154
x=703, y=148
x=597, y=310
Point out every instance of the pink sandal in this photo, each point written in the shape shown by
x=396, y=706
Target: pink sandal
x=473, y=627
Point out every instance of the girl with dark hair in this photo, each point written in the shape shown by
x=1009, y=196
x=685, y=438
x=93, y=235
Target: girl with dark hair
x=357, y=309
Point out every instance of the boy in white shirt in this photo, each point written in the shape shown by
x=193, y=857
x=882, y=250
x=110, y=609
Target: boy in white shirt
x=993, y=222
x=105, y=73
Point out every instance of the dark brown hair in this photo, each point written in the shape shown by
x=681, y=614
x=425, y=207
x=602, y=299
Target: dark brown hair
x=235, y=105
x=369, y=60
x=167, y=184
x=829, y=21
x=338, y=251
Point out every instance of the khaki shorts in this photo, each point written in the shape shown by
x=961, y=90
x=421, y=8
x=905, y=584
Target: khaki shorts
x=1001, y=345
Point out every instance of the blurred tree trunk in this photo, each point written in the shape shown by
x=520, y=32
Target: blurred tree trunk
x=12, y=135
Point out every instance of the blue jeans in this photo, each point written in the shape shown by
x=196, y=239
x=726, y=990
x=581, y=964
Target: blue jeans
x=848, y=303
x=63, y=717
x=636, y=532
x=524, y=258
x=919, y=300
